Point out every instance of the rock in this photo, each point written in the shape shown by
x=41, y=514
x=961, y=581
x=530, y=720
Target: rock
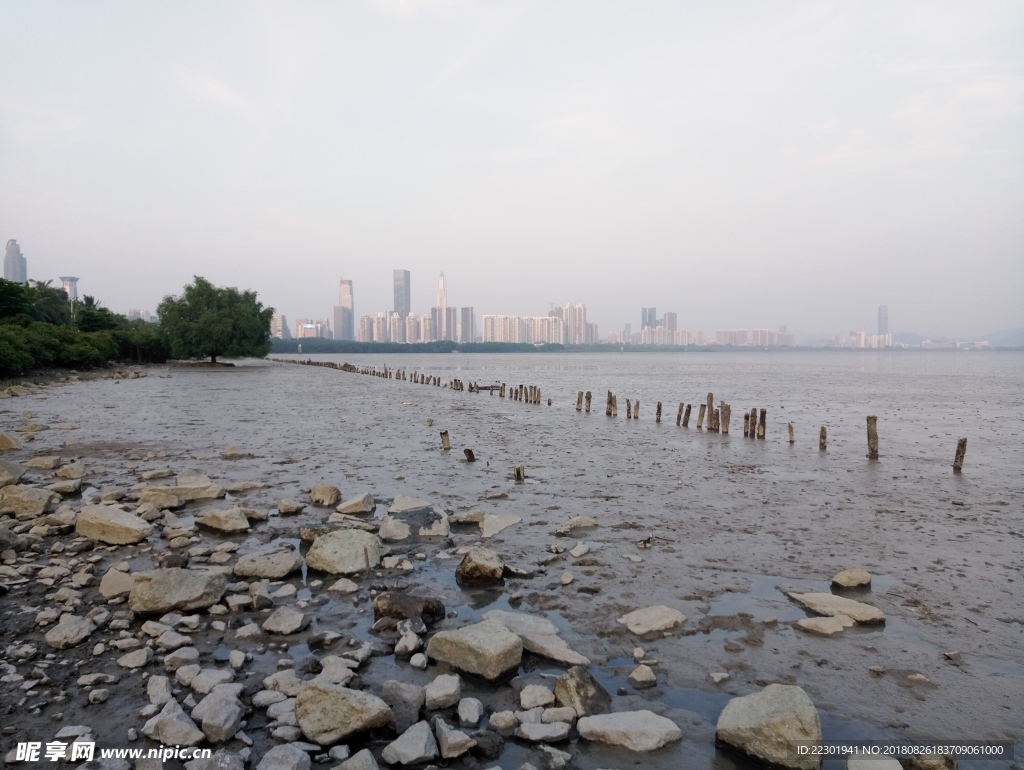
x=181, y=657
x=324, y=495
x=344, y=552
x=392, y=530
x=578, y=689
x=558, y=714
x=415, y=745
x=480, y=566
x=8, y=442
x=642, y=677
x=70, y=631
x=407, y=645
x=471, y=711
x=652, y=620
x=829, y=604
x=10, y=473
x=577, y=522
x=219, y=715
x=765, y=723
x=172, y=726
x=284, y=621
x=538, y=732
x=285, y=757
x=136, y=658
x=418, y=661
x=163, y=590
x=402, y=504
x=343, y=586
x=158, y=690
x=443, y=692
x=273, y=563
x=486, y=649
x=230, y=521
x=73, y=470
x=361, y=760
x=503, y=721
x=26, y=502
x=160, y=498
x=581, y=549
x=111, y=525
x=452, y=743
x=405, y=701
x=192, y=478
x=852, y=578
x=290, y=507
x=633, y=730
x=400, y=605
x=69, y=487
x=826, y=626
x=327, y=713
x=534, y=695
x=567, y=578
x=190, y=493
x=362, y=503
x=208, y=678
x=492, y=524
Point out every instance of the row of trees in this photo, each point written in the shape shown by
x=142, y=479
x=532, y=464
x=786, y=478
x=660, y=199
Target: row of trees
x=39, y=328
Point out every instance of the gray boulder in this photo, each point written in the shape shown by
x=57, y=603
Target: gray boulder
x=765, y=723
x=486, y=649
x=578, y=689
x=344, y=552
x=163, y=590
x=273, y=563
x=172, y=726
x=327, y=712
x=480, y=566
x=633, y=730
x=412, y=747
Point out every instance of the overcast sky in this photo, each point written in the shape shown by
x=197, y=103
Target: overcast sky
x=743, y=164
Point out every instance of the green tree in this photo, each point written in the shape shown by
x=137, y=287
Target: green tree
x=15, y=299
x=210, y=321
x=49, y=304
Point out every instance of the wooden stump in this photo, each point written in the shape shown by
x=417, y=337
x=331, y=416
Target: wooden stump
x=958, y=459
x=587, y=402
x=700, y=416
x=519, y=473
x=636, y=409
x=872, y=437
x=686, y=416
x=726, y=417
x=657, y=413
x=446, y=444
x=629, y=410
x=679, y=414
x=761, y=423
x=792, y=438
x=579, y=401
x=470, y=457
x=608, y=405
x=822, y=439
x=746, y=425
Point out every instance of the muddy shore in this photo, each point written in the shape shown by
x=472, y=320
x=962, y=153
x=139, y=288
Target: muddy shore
x=717, y=527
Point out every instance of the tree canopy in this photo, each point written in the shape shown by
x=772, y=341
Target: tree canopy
x=209, y=321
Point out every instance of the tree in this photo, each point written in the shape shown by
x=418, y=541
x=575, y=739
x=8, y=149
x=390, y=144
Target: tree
x=49, y=304
x=210, y=321
x=15, y=299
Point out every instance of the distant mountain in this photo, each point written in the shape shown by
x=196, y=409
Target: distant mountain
x=1007, y=338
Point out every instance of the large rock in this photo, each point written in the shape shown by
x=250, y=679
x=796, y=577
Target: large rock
x=172, y=726
x=400, y=605
x=116, y=583
x=825, y=625
x=111, y=525
x=344, y=552
x=405, y=701
x=190, y=493
x=285, y=620
x=26, y=502
x=10, y=473
x=403, y=504
x=8, y=442
x=852, y=578
x=578, y=689
x=766, y=723
x=537, y=732
x=161, y=498
x=324, y=495
x=443, y=692
x=231, y=521
x=480, y=566
x=327, y=712
x=424, y=524
x=412, y=747
x=492, y=524
x=219, y=715
x=73, y=470
x=486, y=649
x=285, y=757
x=633, y=730
x=452, y=742
x=163, y=590
x=658, y=619
x=361, y=760
x=273, y=563
x=539, y=636
x=363, y=503
x=71, y=630
x=829, y=604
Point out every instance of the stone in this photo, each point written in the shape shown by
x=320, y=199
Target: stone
x=8, y=442
x=480, y=566
x=272, y=563
x=534, y=695
x=290, y=507
x=116, y=584
x=829, y=604
x=192, y=478
x=577, y=522
x=653, y=620
x=324, y=495
x=539, y=636
x=190, y=493
x=503, y=721
x=136, y=658
x=48, y=463
x=642, y=677
x=852, y=578
x=158, y=690
x=578, y=689
x=471, y=711
x=10, y=473
x=69, y=487
x=451, y=742
x=343, y=586
x=486, y=649
x=764, y=724
x=231, y=521
x=285, y=757
x=286, y=682
x=412, y=747
x=538, y=732
x=492, y=524
x=70, y=631
x=405, y=701
x=362, y=503
x=633, y=730
x=172, y=726
x=418, y=661
x=443, y=692
x=361, y=760
x=160, y=498
x=344, y=552
x=73, y=470
x=219, y=715
x=558, y=714
x=401, y=605
x=327, y=713
x=26, y=502
x=285, y=620
x=111, y=525
x=171, y=640
x=162, y=590
x=825, y=626
x=181, y=657
x=392, y=530
x=402, y=504
x=408, y=644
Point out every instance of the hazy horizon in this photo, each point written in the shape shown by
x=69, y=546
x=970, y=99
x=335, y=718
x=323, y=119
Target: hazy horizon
x=742, y=165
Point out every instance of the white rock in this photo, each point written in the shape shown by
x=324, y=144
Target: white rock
x=826, y=626
x=452, y=743
x=344, y=552
x=172, y=726
x=633, y=730
x=534, y=695
x=443, y=692
x=651, y=620
x=486, y=649
x=328, y=713
x=829, y=604
x=273, y=563
x=471, y=711
x=362, y=503
x=361, y=760
x=539, y=636
x=415, y=745
x=643, y=676
x=765, y=724
x=852, y=578
x=111, y=525
x=285, y=757
x=285, y=620
x=70, y=631
x=538, y=732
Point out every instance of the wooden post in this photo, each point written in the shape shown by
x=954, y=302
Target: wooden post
x=792, y=438
x=588, y=396
x=446, y=444
x=629, y=410
x=501, y=391
x=636, y=409
x=872, y=437
x=686, y=416
x=579, y=401
x=753, y=422
x=549, y=402
x=746, y=425
x=761, y=424
x=519, y=473
x=470, y=457
x=726, y=416
x=958, y=460
x=615, y=406
x=715, y=417
x=608, y=405
x=700, y=416
x=679, y=414
x=711, y=411
x=657, y=413
x=822, y=439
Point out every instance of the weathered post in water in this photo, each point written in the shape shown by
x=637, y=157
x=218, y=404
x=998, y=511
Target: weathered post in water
x=636, y=409
x=519, y=473
x=579, y=401
x=872, y=437
x=822, y=439
x=726, y=417
x=700, y=416
x=470, y=457
x=629, y=409
x=711, y=411
x=746, y=425
x=679, y=414
x=958, y=460
x=615, y=406
x=792, y=438
x=761, y=423
x=608, y=405
x=686, y=416
x=446, y=444
x=657, y=413
x=588, y=396
x=715, y=417
x=501, y=391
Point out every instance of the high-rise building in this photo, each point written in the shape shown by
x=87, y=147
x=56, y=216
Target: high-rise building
x=648, y=317
x=670, y=321
x=883, y=319
x=412, y=329
x=365, y=333
x=575, y=318
x=451, y=323
x=396, y=327
x=345, y=312
x=306, y=328
x=278, y=327
x=442, y=305
x=468, y=331
x=70, y=285
x=403, y=293
x=15, y=265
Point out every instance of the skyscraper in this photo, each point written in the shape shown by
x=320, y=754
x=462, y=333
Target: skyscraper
x=468, y=330
x=278, y=327
x=70, y=284
x=648, y=317
x=15, y=266
x=403, y=293
x=344, y=312
x=442, y=309
x=883, y=319
x=575, y=318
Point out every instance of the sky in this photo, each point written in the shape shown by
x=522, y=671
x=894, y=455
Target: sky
x=744, y=164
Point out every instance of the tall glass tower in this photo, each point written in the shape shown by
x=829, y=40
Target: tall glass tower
x=443, y=333
x=345, y=312
x=15, y=266
x=403, y=293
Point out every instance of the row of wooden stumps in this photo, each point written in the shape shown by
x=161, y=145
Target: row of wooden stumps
x=579, y=400
x=529, y=394
x=446, y=445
